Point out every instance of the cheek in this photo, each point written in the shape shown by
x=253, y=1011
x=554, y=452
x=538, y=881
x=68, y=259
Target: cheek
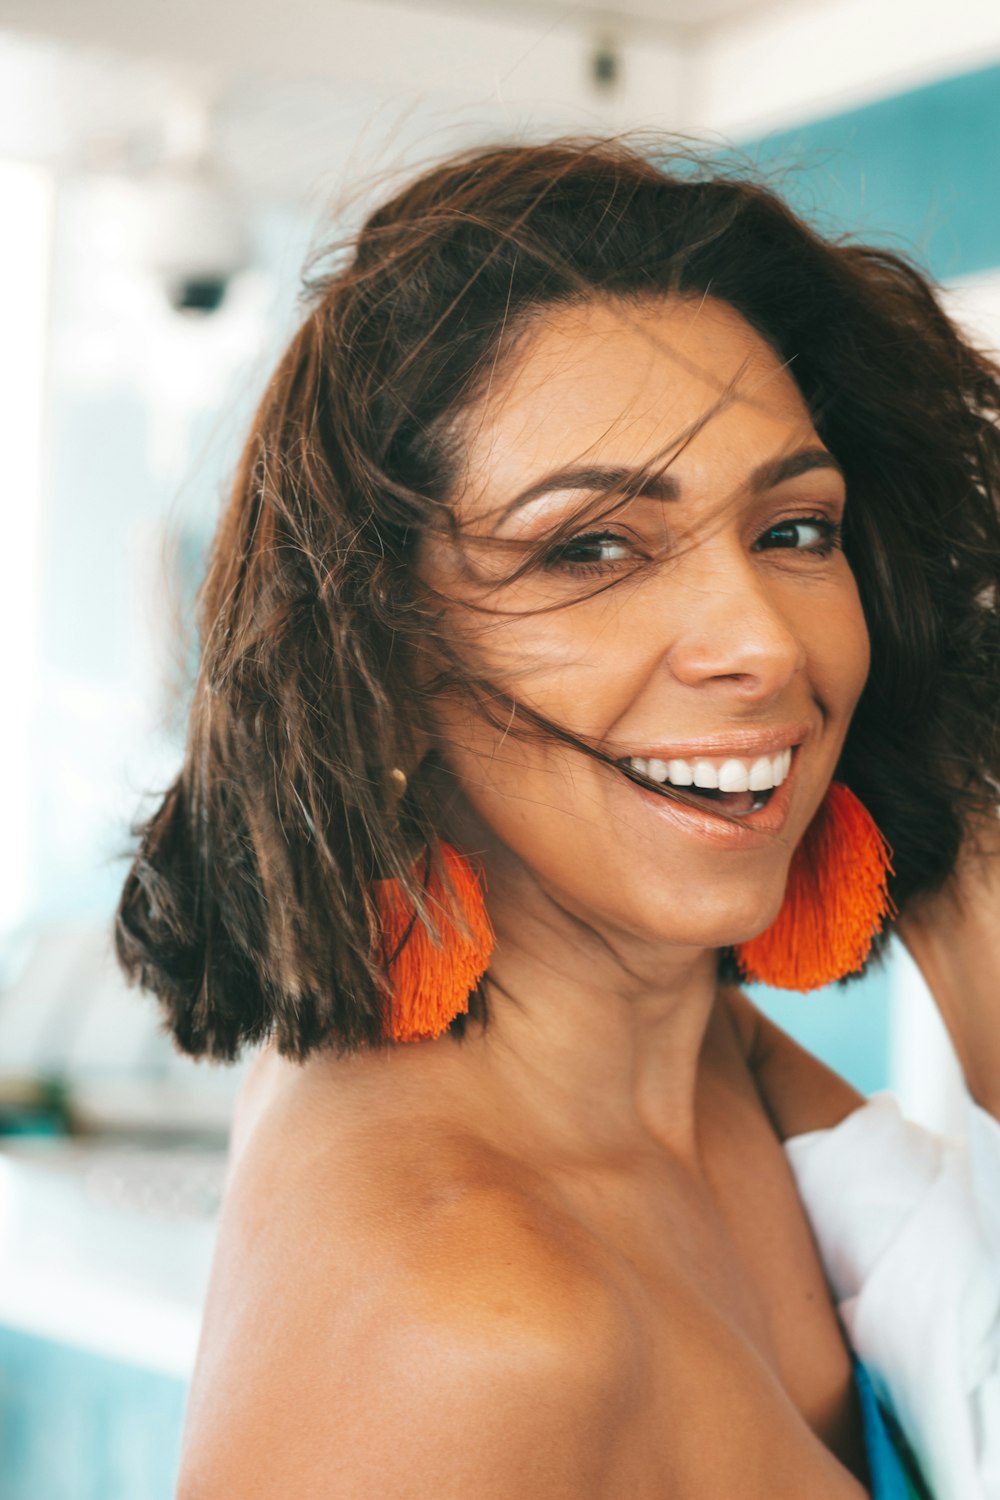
x=838, y=647
x=520, y=781
x=573, y=668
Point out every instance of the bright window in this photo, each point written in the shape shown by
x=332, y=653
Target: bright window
x=25, y=235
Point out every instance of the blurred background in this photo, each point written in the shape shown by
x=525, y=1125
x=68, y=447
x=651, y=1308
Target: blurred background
x=165, y=171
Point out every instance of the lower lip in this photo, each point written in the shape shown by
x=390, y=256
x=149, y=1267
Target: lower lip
x=749, y=831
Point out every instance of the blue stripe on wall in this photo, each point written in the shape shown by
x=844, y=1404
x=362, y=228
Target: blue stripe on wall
x=845, y=1025
x=919, y=172
x=78, y=1426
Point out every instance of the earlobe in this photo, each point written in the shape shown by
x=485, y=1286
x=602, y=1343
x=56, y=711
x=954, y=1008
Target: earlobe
x=411, y=755
x=399, y=778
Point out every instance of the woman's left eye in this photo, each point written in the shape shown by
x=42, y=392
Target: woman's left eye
x=816, y=534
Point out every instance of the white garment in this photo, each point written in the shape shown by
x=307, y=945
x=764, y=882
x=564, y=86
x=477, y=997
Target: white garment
x=908, y=1227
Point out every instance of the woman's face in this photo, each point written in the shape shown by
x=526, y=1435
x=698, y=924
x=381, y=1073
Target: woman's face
x=730, y=643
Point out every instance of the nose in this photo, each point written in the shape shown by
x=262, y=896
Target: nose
x=730, y=630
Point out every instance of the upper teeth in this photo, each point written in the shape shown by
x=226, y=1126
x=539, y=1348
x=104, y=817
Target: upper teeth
x=723, y=774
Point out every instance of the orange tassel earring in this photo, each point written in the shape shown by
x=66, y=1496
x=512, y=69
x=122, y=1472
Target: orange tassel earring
x=836, y=900
x=432, y=984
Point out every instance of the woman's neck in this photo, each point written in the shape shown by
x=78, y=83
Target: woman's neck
x=596, y=1040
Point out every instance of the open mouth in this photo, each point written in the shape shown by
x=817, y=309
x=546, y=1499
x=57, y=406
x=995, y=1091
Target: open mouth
x=725, y=784
x=738, y=804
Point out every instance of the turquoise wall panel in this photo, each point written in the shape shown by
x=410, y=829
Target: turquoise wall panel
x=78, y=1426
x=919, y=171
x=847, y=1026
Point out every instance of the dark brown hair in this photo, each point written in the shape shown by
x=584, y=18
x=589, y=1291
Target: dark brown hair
x=248, y=906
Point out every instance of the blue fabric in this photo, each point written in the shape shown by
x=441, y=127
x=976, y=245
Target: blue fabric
x=894, y=1472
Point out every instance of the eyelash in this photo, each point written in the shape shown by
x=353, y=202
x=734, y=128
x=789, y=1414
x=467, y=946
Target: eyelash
x=557, y=560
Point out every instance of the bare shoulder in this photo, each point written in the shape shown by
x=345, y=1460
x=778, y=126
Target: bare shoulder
x=395, y=1314
x=799, y=1091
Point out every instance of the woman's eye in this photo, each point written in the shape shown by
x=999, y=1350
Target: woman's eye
x=591, y=552
x=816, y=534
x=596, y=552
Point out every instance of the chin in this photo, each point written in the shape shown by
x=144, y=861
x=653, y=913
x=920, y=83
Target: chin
x=724, y=926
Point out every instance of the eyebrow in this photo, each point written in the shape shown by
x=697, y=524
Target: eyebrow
x=637, y=484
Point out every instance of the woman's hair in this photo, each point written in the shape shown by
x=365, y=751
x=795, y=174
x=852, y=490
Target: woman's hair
x=248, y=908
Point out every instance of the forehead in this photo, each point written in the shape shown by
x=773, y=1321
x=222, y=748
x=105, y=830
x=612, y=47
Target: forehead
x=622, y=384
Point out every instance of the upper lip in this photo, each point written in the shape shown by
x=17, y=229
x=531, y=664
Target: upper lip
x=762, y=739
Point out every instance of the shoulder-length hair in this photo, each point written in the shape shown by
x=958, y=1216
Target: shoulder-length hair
x=248, y=907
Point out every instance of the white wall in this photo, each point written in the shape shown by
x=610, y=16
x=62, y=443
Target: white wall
x=799, y=61
x=307, y=96
x=26, y=200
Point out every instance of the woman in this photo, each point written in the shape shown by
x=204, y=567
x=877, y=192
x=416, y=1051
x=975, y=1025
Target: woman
x=611, y=571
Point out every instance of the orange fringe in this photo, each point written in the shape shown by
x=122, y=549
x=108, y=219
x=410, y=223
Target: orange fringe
x=432, y=983
x=836, y=900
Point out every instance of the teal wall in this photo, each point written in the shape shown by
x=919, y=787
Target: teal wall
x=845, y=1025
x=919, y=172
x=78, y=1426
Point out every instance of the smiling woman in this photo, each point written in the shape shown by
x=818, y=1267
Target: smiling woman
x=611, y=570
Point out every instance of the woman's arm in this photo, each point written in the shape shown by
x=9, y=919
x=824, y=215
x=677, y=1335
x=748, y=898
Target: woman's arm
x=954, y=937
x=798, y=1091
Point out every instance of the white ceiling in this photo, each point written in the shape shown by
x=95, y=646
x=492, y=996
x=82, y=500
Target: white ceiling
x=297, y=89
x=191, y=28
x=296, y=93
x=682, y=18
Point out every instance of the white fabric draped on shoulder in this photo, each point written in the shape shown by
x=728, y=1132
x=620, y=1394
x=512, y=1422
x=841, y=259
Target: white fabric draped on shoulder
x=908, y=1227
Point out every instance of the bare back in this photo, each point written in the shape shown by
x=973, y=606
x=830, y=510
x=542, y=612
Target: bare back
x=641, y=1330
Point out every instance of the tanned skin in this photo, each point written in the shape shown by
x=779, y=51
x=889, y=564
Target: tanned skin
x=564, y=1257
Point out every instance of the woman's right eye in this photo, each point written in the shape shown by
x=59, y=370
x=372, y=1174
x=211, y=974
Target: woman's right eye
x=593, y=552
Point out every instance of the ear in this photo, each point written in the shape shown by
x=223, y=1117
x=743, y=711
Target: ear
x=401, y=776
x=421, y=748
